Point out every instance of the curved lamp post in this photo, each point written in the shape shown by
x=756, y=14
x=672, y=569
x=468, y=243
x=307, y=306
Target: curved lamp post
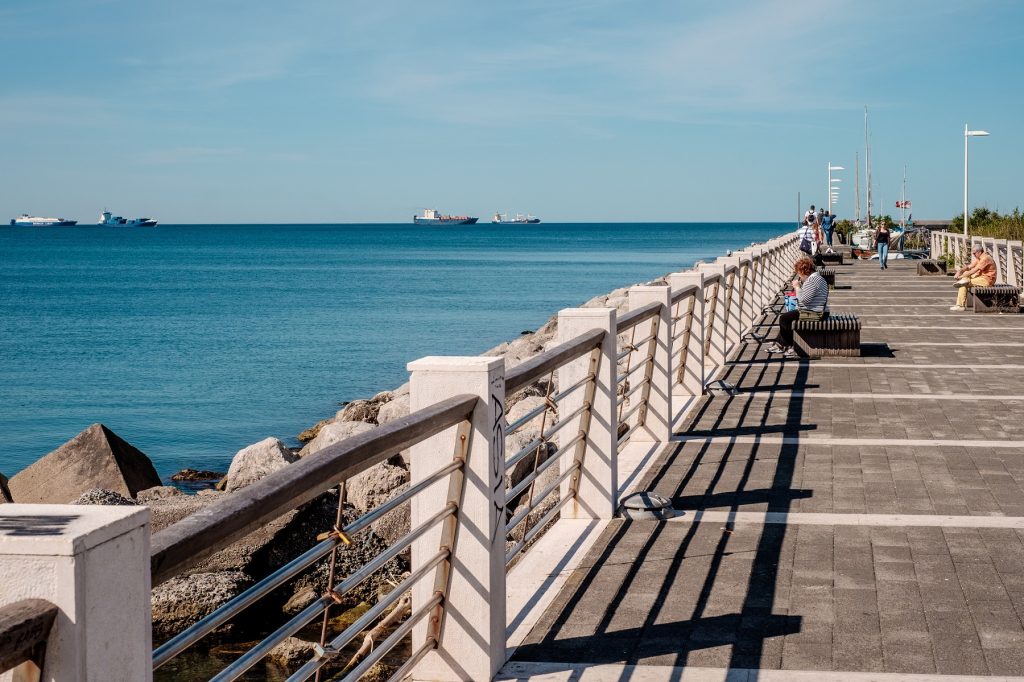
x=968, y=134
x=830, y=187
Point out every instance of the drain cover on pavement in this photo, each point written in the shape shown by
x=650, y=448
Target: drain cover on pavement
x=647, y=505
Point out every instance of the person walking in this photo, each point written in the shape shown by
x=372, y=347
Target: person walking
x=881, y=244
x=828, y=225
x=812, y=303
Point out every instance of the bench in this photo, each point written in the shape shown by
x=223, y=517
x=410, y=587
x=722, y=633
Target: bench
x=1001, y=298
x=834, y=258
x=837, y=335
x=931, y=267
x=830, y=276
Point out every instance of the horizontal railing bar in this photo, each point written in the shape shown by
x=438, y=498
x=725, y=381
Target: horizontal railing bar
x=639, y=387
x=527, y=480
x=647, y=339
x=522, y=375
x=174, y=646
x=526, y=450
x=258, y=652
x=392, y=640
x=688, y=290
x=712, y=279
x=529, y=535
x=632, y=370
x=232, y=517
x=729, y=269
x=539, y=497
x=24, y=625
x=556, y=398
x=631, y=412
x=560, y=424
x=635, y=317
x=364, y=621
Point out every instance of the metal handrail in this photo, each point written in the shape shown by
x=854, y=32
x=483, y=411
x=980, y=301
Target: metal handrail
x=532, y=533
x=550, y=488
x=632, y=370
x=300, y=620
x=521, y=487
x=535, y=412
x=625, y=418
x=530, y=447
x=712, y=279
x=635, y=317
x=522, y=375
x=231, y=518
x=626, y=396
x=24, y=628
x=186, y=638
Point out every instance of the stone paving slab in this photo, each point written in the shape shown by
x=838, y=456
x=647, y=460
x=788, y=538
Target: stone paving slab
x=924, y=600
x=868, y=479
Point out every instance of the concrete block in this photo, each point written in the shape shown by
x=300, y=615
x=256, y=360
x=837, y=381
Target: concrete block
x=95, y=458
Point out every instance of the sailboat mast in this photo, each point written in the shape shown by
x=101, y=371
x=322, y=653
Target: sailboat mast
x=903, y=200
x=867, y=162
x=856, y=170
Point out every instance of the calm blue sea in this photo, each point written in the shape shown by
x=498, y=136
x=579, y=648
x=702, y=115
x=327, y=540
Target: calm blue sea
x=192, y=341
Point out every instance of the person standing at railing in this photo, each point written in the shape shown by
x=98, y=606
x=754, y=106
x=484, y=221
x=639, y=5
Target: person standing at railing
x=812, y=303
x=980, y=272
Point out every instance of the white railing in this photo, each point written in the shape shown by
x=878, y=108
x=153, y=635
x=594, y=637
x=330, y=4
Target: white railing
x=612, y=380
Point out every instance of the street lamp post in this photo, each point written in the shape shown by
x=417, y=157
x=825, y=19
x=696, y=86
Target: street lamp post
x=968, y=134
x=830, y=187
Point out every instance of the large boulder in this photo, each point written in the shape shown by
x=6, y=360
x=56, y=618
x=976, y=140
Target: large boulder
x=95, y=458
x=397, y=522
x=182, y=601
x=526, y=434
x=334, y=433
x=374, y=486
x=252, y=463
x=5, y=492
x=394, y=409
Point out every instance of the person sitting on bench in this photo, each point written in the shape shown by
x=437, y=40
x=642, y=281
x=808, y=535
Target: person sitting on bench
x=812, y=303
x=980, y=272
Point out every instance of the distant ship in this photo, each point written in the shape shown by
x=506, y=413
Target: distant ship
x=108, y=220
x=25, y=220
x=432, y=217
x=520, y=219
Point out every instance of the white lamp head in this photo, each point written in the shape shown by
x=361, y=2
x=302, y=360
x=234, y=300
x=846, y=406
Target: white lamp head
x=975, y=133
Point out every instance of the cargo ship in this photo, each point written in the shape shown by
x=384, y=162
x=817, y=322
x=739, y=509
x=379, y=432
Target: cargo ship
x=432, y=217
x=109, y=220
x=519, y=219
x=25, y=220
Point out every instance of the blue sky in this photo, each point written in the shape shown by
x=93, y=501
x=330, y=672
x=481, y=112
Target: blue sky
x=335, y=111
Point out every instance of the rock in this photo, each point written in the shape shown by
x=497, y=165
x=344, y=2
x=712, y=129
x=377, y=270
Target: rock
x=358, y=411
x=394, y=409
x=158, y=493
x=516, y=441
x=333, y=433
x=197, y=475
x=374, y=486
x=252, y=463
x=182, y=601
x=546, y=478
x=311, y=433
x=104, y=497
x=292, y=652
x=95, y=458
x=395, y=523
x=5, y=492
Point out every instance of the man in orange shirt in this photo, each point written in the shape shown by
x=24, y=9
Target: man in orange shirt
x=980, y=272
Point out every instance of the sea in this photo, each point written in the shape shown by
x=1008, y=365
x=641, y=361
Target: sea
x=193, y=341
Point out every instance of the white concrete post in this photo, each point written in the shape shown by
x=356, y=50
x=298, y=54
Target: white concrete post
x=758, y=263
x=1000, y=254
x=657, y=415
x=598, y=484
x=688, y=362
x=472, y=636
x=749, y=285
x=714, y=322
x=92, y=562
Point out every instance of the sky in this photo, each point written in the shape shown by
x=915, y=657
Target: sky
x=240, y=111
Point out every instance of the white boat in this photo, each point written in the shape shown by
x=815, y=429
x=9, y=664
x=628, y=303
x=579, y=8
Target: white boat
x=108, y=220
x=26, y=220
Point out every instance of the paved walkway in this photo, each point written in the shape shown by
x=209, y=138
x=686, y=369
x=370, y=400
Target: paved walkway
x=845, y=514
